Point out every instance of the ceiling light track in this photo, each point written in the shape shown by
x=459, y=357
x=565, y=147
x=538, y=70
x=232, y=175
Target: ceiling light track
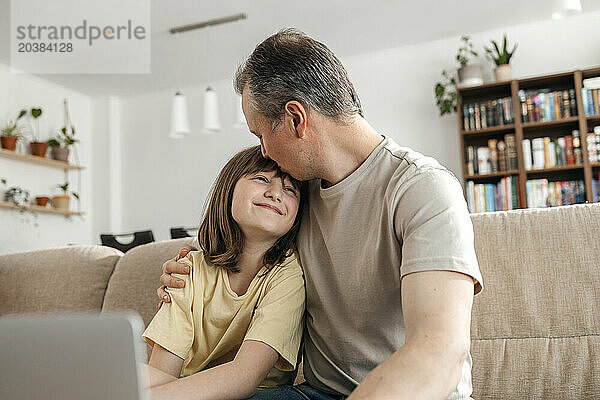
x=200, y=25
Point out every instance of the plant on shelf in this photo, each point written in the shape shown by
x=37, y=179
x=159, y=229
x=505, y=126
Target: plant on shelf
x=61, y=144
x=12, y=131
x=445, y=94
x=16, y=195
x=38, y=148
x=468, y=74
x=62, y=201
x=501, y=58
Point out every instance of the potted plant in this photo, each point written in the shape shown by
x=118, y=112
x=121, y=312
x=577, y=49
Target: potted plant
x=11, y=132
x=42, y=200
x=62, y=201
x=445, y=93
x=501, y=58
x=38, y=148
x=16, y=195
x=61, y=143
x=468, y=74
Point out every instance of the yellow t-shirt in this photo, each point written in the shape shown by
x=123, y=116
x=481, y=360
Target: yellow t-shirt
x=206, y=321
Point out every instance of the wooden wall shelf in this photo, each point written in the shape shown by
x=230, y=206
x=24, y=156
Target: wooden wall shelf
x=39, y=160
x=49, y=210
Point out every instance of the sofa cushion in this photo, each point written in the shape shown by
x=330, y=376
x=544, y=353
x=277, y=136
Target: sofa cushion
x=70, y=278
x=136, y=277
x=538, y=314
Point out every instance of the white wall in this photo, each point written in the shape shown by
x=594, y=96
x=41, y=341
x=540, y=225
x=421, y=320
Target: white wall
x=25, y=231
x=165, y=181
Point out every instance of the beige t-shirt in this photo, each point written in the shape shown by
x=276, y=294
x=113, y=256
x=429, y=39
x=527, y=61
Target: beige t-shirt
x=206, y=321
x=399, y=213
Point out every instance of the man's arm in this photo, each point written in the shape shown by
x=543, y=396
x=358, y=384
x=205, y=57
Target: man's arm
x=164, y=366
x=437, y=315
x=237, y=379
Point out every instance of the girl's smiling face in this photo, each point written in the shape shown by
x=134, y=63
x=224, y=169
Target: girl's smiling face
x=265, y=204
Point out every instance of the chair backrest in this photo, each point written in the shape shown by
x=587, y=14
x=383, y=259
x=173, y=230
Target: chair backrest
x=181, y=232
x=138, y=238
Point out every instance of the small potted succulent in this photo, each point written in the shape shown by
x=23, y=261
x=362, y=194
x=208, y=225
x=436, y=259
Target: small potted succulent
x=11, y=132
x=62, y=201
x=61, y=144
x=468, y=74
x=501, y=58
x=38, y=148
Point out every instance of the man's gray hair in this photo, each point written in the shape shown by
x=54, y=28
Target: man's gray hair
x=290, y=65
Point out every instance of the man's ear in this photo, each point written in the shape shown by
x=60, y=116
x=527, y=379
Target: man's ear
x=297, y=114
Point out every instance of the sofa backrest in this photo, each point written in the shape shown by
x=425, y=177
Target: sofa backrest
x=136, y=277
x=71, y=278
x=535, y=327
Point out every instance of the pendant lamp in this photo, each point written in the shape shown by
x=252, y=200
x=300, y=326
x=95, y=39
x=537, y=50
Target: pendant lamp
x=565, y=8
x=180, y=123
x=211, y=112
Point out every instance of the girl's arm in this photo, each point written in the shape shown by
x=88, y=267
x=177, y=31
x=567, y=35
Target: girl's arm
x=237, y=379
x=164, y=366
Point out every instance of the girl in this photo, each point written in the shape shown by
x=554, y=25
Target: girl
x=236, y=325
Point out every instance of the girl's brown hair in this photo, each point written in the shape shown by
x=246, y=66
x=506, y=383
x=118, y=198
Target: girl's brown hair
x=219, y=236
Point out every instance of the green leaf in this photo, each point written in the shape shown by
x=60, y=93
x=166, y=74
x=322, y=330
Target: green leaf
x=36, y=112
x=22, y=114
x=439, y=90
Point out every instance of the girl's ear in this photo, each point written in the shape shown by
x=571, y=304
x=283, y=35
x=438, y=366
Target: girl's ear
x=296, y=114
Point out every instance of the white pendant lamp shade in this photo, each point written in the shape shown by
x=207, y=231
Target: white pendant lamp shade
x=180, y=123
x=565, y=8
x=240, y=119
x=211, y=112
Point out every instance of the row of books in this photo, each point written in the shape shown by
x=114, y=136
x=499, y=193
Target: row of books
x=593, y=145
x=541, y=193
x=590, y=94
x=487, y=114
x=545, y=105
x=485, y=197
x=497, y=156
x=540, y=153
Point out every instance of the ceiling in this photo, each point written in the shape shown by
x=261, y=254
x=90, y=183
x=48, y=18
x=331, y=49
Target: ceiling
x=348, y=27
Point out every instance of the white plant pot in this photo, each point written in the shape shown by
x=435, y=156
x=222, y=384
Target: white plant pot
x=503, y=73
x=470, y=75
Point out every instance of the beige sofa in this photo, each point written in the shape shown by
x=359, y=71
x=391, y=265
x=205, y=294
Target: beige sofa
x=535, y=328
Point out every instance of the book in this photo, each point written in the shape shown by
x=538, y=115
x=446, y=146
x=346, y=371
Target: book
x=577, y=154
x=527, y=162
x=551, y=154
x=561, y=156
x=493, y=155
x=547, y=161
x=511, y=152
x=573, y=102
x=569, y=150
x=483, y=160
x=537, y=150
x=501, y=155
x=470, y=160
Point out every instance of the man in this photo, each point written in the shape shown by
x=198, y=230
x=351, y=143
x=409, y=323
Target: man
x=386, y=242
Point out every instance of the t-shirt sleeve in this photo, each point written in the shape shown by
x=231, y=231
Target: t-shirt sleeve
x=172, y=327
x=433, y=223
x=278, y=318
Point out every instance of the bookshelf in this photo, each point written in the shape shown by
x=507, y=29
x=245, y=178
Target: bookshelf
x=544, y=108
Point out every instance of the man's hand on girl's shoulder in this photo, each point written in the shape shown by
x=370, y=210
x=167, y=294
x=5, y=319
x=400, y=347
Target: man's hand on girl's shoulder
x=169, y=267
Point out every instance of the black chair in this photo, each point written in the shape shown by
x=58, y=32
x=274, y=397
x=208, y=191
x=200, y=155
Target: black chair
x=181, y=232
x=141, y=237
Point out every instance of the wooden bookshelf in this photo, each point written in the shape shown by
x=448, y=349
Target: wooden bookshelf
x=48, y=210
x=527, y=130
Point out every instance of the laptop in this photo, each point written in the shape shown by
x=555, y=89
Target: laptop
x=72, y=357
